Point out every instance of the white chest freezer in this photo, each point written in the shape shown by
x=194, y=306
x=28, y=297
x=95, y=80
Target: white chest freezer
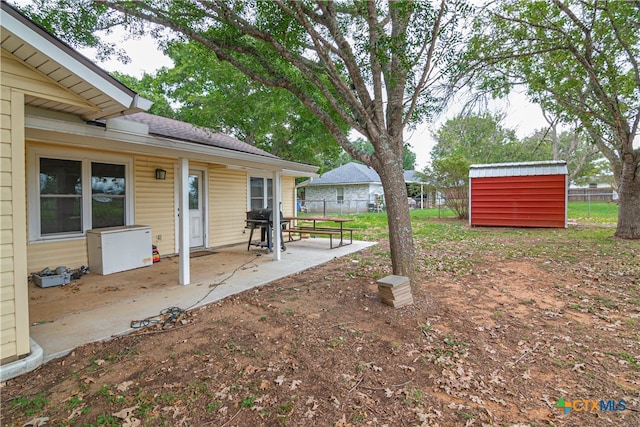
x=114, y=249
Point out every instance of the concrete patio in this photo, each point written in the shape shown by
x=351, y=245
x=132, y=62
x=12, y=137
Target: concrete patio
x=96, y=308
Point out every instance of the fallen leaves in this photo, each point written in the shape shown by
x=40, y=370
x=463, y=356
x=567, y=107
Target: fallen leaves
x=36, y=422
x=126, y=415
x=124, y=386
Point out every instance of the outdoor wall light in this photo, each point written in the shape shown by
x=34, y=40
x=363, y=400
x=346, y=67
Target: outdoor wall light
x=161, y=174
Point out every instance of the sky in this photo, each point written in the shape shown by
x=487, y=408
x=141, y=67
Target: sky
x=520, y=115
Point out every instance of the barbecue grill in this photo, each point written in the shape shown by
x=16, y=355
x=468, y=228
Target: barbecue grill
x=263, y=218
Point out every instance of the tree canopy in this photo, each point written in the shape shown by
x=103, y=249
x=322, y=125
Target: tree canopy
x=211, y=93
x=479, y=138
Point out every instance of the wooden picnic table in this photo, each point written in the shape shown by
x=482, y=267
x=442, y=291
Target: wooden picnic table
x=315, y=229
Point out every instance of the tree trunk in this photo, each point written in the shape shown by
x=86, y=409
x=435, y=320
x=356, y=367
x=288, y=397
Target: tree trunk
x=400, y=233
x=629, y=196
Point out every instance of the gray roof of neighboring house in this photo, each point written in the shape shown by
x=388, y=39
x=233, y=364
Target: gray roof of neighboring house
x=411, y=176
x=355, y=173
x=175, y=129
x=351, y=173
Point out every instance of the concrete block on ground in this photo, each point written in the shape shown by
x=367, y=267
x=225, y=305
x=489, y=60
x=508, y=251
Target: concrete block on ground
x=395, y=291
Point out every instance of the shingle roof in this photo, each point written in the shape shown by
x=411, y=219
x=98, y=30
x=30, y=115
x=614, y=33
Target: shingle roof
x=356, y=173
x=351, y=173
x=163, y=126
x=410, y=176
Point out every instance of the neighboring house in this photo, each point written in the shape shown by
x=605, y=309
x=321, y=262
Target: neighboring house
x=352, y=187
x=79, y=153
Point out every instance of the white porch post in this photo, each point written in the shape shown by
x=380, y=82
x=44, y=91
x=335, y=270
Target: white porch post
x=183, y=223
x=277, y=200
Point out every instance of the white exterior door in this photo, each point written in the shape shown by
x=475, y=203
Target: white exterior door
x=196, y=209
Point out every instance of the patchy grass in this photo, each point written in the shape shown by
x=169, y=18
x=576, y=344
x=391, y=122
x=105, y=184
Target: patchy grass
x=593, y=211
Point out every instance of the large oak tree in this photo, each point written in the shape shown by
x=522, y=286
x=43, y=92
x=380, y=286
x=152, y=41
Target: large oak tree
x=378, y=66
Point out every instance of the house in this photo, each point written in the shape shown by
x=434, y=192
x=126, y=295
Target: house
x=80, y=153
x=350, y=188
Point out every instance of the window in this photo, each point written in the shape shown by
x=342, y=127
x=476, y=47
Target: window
x=60, y=196
x=340, y=194
x=260, y=190
x=72, y=195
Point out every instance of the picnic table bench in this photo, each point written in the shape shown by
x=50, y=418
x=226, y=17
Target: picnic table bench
x=315, y=230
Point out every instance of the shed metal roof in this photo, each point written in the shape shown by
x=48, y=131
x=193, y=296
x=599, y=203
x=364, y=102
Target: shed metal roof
x=553, y=167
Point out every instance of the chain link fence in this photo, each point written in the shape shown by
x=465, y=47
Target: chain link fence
x=592, y=195
x=326, y=207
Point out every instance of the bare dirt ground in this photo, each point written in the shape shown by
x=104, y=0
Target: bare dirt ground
x=498, y=333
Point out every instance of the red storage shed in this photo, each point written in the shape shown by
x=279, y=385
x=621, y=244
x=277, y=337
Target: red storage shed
x=530, y=194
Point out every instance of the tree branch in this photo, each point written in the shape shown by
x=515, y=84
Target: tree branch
x=426, y=71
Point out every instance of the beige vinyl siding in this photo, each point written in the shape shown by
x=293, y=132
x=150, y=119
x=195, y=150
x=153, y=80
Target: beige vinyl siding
x=14, y=303
x=8, y=348
x=288, y=193
x=154, y=201
x=227, y=206
x=68, y=253
x=18, y=76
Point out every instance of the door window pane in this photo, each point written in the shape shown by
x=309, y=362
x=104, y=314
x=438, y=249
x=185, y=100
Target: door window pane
x=193, y=192
x=107, y=195
x=60, y=196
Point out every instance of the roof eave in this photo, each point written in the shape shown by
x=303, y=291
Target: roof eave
x=50, y=130
x=61, y=53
